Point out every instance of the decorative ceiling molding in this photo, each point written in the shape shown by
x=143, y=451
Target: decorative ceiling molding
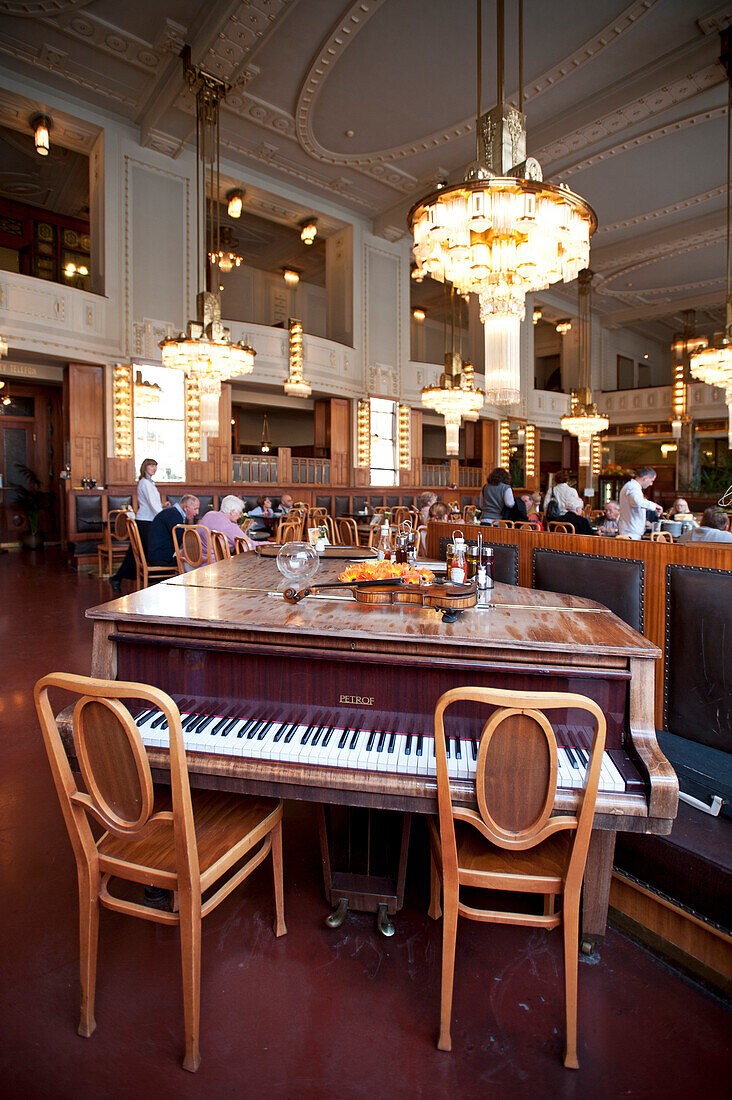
x=654, y=253
x=245, y=29
x=57, y=61
x=357, y=15
x=631, y=113
x=641, y=139
x=106, y=38
x=662, y=211
x=40, y=8
x=716, y=20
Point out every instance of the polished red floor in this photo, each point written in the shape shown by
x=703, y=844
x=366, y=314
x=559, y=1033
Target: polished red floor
x=316, y=1013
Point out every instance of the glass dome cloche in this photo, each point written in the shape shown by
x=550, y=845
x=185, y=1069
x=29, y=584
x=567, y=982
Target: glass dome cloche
x=298, y=562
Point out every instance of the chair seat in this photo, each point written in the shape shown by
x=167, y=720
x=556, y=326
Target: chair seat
x=477, y=856
x=221, y=821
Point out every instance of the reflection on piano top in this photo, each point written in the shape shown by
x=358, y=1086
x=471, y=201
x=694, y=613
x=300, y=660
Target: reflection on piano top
x=235, y=595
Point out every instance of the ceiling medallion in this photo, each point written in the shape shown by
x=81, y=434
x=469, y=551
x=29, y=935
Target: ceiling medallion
x=502, y=233
x=205, y=351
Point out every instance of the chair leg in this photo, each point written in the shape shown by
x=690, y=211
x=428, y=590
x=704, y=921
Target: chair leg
x=190, y=951
x=570, y=918
x=449, y=935
x=279, y=927
x=549, y=902
x=435, y=909
x=88, y=949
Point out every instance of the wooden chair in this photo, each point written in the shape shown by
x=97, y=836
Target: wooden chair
x=512, y=842
x=375, y=536
x=220, y=546
x=561, y=528
x=316, y=516
x=144, y=571
x=287, y=532
x=421, y=531
x=192, y=542
x=504, y=523
x=523, y=525
x=469, y=513
x=348, y=532
x=399, y=515
x=297, y=516
x=115, y=542
x=240, y=547
x=661, y=536
x=189, y=844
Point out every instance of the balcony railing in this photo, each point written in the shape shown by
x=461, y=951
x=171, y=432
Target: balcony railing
x=470, y=477
x=311, y=471
x=435, y=475
x=254, y=469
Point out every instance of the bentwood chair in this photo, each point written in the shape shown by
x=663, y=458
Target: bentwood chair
x=220, y=546
x=661, y=536
x=191, y=843
x=241, y=546
x=470, y=512
x=192, y=542
x=348, y=532
x=512, y=842
x=399, y=515
x=146, y=573
x=115, y=542
x=375, y=536
x=287, y=532
x=505, y=523
x=561, y=528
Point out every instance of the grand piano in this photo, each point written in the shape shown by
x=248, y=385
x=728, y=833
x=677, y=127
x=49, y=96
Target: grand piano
x=332, y=701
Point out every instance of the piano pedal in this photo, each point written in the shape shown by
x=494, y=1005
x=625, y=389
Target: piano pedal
x=337, y=917
x=383, y=921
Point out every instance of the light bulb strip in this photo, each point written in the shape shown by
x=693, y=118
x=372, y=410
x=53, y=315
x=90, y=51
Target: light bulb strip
x=122, y=410
x=504, y=443
x=530, y=451
x=193, y=419
x=404, y=420
x=363, y=433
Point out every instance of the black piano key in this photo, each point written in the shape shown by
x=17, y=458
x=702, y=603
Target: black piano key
x=419, y=744
x=191, y=721
x=354, y=740
x=382, y=741
x=291, y=733
x=219, y=727
x=474, y=747
x=458, y=749
x=231, y=723
x=246, y=727
x=284, y=729
x=447, y=748
x=254, y=729
x=307, y=734
x=316, y=736
x=328, y=736
x=160, y=723
x=392, y=742
x=370, y=742
x=572, y=757
x=342, y=739
x=143, y=715
x=202, y=723
x=408, y=745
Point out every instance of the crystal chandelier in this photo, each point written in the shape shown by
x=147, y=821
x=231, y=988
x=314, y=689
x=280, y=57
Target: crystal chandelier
x=713, y=365
x=502, y=233
x=584, y=421
x=296, y=386
x=455, y=395
x=205, y=351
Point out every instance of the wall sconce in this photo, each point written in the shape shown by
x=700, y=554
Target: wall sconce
x=678, y=400
x=536, y=316
x=596, y=455
x=419, y=315
x=291, y=277
x=308, y=230
x=504, y=444
x=193, y=420
x=563, y=327
x=404, y=421
x=122, y=410
x=41, y=129
x=3, y=351
x=668, y=449
x=234, y=202
x=296, y=386
x=530, y=451
x=363, y=432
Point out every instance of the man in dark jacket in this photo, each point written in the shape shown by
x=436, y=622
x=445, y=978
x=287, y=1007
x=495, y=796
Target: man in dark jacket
x=575, y=518
x=160, y=549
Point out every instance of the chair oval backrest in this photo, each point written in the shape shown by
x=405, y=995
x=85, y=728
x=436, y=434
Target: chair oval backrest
x=516, y=742
x=220, y=546
x=113, y=764
x=348, y=532
x=661, y=536
x=117, y=520
x=561, y=528
x=192, y=545
x=241, y=546
x=504, y=523
x=135, y=543
x=288, y=532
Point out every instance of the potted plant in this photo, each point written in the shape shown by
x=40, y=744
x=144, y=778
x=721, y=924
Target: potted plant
x=33, y=501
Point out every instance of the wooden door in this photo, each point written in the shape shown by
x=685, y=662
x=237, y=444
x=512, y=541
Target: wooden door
x=16, y=453
x=30, y=436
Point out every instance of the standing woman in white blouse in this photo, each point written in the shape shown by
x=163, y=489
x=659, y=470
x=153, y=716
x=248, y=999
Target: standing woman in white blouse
x=148, y=506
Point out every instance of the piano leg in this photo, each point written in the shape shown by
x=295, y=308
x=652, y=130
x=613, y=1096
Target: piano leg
x=364, y=889
x=596, y=888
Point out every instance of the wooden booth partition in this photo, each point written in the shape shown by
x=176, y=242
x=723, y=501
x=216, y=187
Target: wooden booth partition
x=655, y=556
x=84, y=400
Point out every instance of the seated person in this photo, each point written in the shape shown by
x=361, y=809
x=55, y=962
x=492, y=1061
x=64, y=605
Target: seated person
x=426, y=501
x=531, y=503
x=226, y=520
x=574, y=517
x=439, y=510
x=286, y=502
x=714, y=527
x=679, y=511
x=609, y=524
x=262, y=511
x=160, y=548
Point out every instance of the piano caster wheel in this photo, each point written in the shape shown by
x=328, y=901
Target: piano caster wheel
x=383, y=921
x=587, y=947
x=337, y=917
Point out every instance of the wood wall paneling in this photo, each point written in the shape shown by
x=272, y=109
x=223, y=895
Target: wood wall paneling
x=86, y=421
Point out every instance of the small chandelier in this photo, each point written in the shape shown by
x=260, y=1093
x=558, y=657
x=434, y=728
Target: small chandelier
x=455, y=396
x=296, y=386
x=502, y=233
x=308, y=230
x=266, y=442
x=584, y=421
x=205, y=350
x=713, y=365
x=226, y=257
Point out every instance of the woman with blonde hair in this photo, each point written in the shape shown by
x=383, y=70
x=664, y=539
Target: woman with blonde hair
x=148, y=506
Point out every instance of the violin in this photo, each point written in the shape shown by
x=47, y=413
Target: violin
x=451, y=599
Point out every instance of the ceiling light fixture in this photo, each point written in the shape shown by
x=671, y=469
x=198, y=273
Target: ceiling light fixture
x=291, y=277
x=235, y=202
x=536, y=316
x=308, y=230
x=3, y=352
x=227, y=256
x=42, y=125
x=455, y=395
x=419, y=314
x=265, y=443
x=205, y=351
x=563, y=327
x=713, y=365
x=584, y=420
x=502, y=232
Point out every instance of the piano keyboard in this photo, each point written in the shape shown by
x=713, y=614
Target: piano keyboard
x=376, y=750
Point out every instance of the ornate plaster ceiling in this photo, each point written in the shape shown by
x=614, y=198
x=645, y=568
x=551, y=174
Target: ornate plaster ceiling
x=368, y=102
